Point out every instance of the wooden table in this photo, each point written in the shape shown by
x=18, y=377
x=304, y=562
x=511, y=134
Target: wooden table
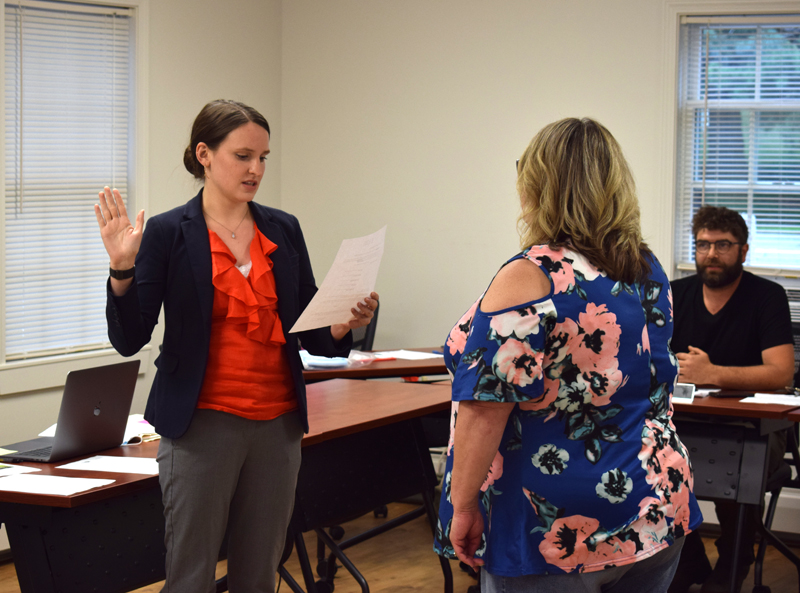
x=110, y=538
x=387, y=368
x=732, y=407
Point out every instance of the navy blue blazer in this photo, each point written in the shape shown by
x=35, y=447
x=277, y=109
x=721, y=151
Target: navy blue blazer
x=173, y=267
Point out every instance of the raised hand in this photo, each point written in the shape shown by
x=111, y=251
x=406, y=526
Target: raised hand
x=120, y=238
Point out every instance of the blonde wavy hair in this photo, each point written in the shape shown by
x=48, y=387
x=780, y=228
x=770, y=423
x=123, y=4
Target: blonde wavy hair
x=575, y=186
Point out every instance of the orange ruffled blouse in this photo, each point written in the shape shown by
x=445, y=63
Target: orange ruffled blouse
x=248, y=372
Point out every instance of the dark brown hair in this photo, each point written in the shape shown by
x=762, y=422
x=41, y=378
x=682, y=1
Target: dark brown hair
x=719, y=218
x=213, y=124
x=575, y=186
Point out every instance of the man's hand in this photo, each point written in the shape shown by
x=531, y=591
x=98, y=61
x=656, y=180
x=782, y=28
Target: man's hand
x=696, y=367
x=775, y=373
x=465, y=535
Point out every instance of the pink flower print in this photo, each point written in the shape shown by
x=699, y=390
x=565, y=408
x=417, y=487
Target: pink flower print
x=593, y=344
x=564, y=545
x=520, y=323
x=645, y=340
x=680, y=508
x=668, y=470
x=553, y=261
x=558, y=340
x=517, y=363
x=652, y=525
x=495, y=472
x=597, y=344
x=457, y=340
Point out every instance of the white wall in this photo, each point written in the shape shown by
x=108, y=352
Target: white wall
x=412, y=114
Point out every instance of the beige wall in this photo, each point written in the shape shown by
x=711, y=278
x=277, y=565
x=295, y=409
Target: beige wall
x=412, y=114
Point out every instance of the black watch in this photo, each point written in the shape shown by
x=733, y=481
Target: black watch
x=121, y=274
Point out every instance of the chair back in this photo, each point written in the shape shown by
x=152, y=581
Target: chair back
x=363, y=337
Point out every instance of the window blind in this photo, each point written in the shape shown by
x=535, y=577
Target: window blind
x=68, y=132
x=739, y=132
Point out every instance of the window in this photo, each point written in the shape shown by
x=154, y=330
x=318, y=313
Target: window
x=69, y=130
x=739, y=132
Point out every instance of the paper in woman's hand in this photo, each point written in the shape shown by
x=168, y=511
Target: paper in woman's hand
x=351, y=278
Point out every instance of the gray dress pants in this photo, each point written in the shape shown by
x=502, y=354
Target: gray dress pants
x=228, y=472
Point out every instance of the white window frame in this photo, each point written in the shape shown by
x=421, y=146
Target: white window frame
x=50, y=371
x=674, y=10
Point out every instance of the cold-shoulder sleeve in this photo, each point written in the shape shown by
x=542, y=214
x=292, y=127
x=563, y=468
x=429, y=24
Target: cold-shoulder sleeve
x=502, y=354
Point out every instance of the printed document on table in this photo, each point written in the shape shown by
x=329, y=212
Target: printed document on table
x=772, y=398
x=36, y=484
x=10, y=470
x=351, y=278
x=110, y=463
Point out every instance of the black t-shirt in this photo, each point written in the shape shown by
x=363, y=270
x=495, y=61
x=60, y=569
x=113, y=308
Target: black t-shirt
x=755, y=318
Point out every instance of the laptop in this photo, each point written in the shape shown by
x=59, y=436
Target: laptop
x=94, y=412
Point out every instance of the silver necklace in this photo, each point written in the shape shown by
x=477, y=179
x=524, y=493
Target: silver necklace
x=236, y=228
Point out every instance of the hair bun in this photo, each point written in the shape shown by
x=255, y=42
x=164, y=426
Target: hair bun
x=192, y=164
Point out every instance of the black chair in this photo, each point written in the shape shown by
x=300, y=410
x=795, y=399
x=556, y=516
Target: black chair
x=363, y=337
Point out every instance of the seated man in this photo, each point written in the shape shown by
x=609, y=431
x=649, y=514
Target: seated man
x=732, y=330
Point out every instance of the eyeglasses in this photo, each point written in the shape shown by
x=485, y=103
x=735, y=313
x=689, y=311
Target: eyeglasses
x=722, y=246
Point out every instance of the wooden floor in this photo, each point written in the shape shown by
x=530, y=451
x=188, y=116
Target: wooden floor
x=402, y=561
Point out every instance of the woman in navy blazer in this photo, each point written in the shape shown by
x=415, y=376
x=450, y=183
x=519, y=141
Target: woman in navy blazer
x=213, y=477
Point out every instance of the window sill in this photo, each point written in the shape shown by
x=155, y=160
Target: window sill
x=51, y=372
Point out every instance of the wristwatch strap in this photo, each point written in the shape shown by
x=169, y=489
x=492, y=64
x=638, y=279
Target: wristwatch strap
x=121, y=274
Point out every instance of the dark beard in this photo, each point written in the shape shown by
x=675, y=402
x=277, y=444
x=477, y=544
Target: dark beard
x=727, y=276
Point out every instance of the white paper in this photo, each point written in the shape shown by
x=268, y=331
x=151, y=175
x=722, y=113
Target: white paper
x=351, y=278
x=773, y=398
x=704, y=392
x=10, y=470
x=60, y=485
x=136, y=427
x=121, y=465
x=311, y=362
x=407, y=354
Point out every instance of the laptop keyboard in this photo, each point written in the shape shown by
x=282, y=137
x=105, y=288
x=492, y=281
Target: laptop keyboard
x=43, y=453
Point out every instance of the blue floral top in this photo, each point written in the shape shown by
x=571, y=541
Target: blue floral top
x=590, y=472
